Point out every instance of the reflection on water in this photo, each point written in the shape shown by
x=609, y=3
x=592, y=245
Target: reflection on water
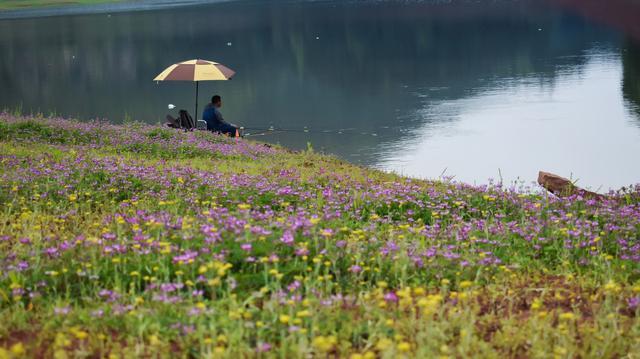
x=522, y=126
x=420, y=86
x=631, y=78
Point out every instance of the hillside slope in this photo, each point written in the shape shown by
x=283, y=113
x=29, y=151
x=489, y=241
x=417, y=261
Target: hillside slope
x=137, y=241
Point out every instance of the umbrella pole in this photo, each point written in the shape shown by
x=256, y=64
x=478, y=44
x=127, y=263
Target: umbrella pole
x=196, y=104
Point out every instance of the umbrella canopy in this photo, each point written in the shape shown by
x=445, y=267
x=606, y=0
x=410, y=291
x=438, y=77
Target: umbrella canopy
x=196, y=71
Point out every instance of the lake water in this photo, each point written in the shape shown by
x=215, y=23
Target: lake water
x=469, y=89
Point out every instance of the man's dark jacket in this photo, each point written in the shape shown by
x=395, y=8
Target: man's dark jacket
x=212, y=116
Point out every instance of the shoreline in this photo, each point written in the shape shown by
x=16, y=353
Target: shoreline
x=108, y=6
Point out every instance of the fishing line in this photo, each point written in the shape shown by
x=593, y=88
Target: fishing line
x=266, y=131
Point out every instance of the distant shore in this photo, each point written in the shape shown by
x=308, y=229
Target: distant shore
x=13, y=9
x=30, y=4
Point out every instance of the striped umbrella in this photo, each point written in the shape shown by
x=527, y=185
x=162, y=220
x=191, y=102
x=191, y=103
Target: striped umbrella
x=196, y=71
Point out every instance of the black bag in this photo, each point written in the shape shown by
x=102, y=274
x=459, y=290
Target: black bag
x=185, y=121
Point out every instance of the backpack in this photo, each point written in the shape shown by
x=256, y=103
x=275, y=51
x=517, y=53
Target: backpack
x=184, y=121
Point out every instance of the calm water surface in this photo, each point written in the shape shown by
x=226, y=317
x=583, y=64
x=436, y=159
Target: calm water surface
x=473, y=90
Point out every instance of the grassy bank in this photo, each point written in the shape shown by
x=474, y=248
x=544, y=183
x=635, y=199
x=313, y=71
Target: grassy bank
x=129, y=241
x=31, y=4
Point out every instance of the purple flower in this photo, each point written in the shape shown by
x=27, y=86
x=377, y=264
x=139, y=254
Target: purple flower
x=52, y=251
x=391, y=297
x=62, y=310
x=287, y=238
x=263, y=347
x=187, y=257
x=293, y=286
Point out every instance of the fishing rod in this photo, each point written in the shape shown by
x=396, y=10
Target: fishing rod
x=272, y=129
x=264, y=131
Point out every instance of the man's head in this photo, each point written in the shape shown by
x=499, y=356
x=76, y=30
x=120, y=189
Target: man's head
x=216, y=101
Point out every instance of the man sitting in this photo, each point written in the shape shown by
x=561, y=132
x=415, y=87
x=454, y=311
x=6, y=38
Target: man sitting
x=214, y=120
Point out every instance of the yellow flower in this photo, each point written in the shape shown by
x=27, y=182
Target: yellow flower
x=325, y=344
x=430, y=304
x=383, y=344
x=444, y=349
x=465, y=284
x=389, y=322
x=303, y=314
x=18, y=349
x=612, y=287
x=244, y=206
x=560, y=351
x=404, y=293
x=404, y=347
x=567, y=316
x=537, y=304
x=542, y=314
x=284, y=319
x=153, y=339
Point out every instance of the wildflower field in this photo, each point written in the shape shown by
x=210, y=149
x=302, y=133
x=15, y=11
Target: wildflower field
x=139, y=241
